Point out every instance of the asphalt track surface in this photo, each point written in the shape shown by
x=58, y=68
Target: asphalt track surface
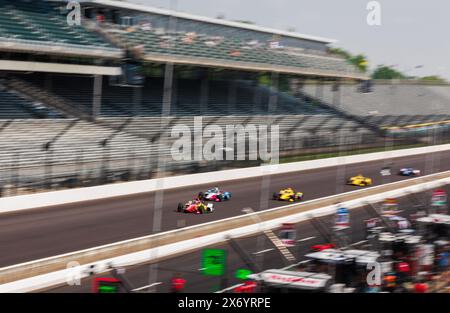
x=259, y=248
x=40, y=233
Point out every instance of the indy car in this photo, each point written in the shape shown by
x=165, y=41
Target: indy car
x=409, y=171
x=385, y=171
x=215, y=194
x=288, y=194
x=359, y=180
x=196, y=207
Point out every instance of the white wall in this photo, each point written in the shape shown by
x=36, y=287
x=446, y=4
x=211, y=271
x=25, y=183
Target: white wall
x=10, y=204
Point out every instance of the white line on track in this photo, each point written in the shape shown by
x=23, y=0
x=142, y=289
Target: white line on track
x=358, y=243
x=264, y=251
x=148, y=286
x=355, y=244
x=306, y=239
x=293, y=265
x=229, y=288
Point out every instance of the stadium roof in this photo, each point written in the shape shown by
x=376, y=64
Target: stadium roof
x=145, y=8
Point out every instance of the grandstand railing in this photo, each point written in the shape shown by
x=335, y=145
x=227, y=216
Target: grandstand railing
x=47, y=98
x=105, y=30
x=8, y=43
x=361, y=120
x=209, y=62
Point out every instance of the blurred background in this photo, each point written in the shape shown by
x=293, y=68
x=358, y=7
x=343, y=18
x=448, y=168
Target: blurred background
x=91, y=90
x=94, y=103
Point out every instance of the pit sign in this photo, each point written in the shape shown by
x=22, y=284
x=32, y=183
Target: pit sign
x=213, y=262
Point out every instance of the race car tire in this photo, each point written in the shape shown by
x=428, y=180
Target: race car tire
x=201, y=196
x=275, y=196
x=180, y=208
x=219, y=198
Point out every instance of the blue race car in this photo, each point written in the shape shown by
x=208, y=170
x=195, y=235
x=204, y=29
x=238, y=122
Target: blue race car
x=409, y=171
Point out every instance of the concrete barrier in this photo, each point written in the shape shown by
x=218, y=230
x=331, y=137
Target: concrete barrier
x=32, y=201
x=51, y=271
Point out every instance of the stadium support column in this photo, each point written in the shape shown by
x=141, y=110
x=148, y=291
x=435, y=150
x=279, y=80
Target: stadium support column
x=97, y=99
x=158, y=201
x=257, y=96
x=299, y=90
x=137, y=100
x=232, y=88
x=337, y=94
x=173, y=86
x=273, y=100
x=48, y=82
x=319, y=90
x=204, y=91
x=168, y=92
x=47, y=147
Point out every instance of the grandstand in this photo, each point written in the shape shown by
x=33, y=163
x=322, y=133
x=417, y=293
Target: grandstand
x=392, y=105
x=15, y=106
x=43, y=24
x=41, y=21
x=164, y=36
x=224, y=49
x=134, y=137
x=84, y=104
x=187, y=98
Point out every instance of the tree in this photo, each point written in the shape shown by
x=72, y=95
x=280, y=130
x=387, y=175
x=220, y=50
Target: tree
x=360, y=61
x=434, y=79
x=340, y=52
x=264, y=79
x=386, y=72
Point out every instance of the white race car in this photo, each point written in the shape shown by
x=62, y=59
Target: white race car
x=385, y=171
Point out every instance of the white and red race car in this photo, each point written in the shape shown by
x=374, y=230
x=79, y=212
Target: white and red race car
x=215, y=194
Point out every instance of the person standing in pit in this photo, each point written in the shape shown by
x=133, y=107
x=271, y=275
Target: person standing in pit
x=177, y=283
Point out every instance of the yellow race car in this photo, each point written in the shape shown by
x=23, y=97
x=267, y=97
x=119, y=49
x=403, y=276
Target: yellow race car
x=288, y=194
x=359, y=180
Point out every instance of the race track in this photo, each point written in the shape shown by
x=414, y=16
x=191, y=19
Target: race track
x=35, y=234
x=259, y=248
